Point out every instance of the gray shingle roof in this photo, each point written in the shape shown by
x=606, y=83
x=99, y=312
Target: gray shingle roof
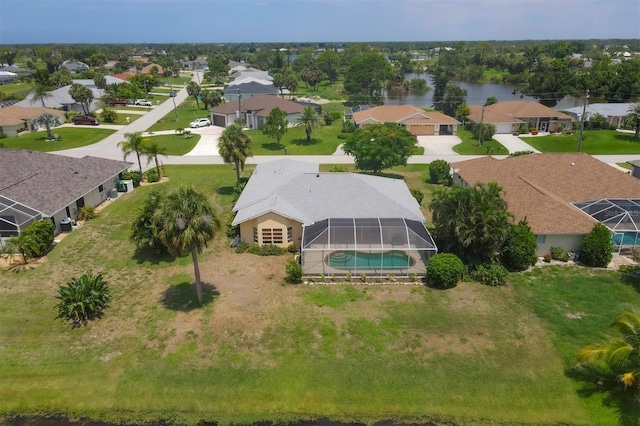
x=50, y=182
x=298, y=191
x=252, y=87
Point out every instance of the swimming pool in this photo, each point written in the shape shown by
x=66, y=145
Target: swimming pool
x=356, y=260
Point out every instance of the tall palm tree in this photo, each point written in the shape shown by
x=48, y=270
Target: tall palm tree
x=634, y=114
x=309, y=120
x=234, y=146
x=41, y=92
x=22, y=243
x=187, y=224
x=48, y=120
x=153, y=150
x=134, y=143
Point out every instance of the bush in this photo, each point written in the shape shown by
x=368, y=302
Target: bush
x=109, y=115
x=292, y=248
x=519, y=153
x=241, y=247
x=69, y=115
x=266, y=250
x=151, y=175
x=83, y=299
x=349, y=126
x=492, y=274
x=547, y=258
x=519, y=247
x=134, y=176
x=42, y=233
x=3, y=135
x=417, y=194
x=343, y=136
x=338, y=168
x=440, y=172
x=596, y=248
x=87, y=213
x=293, y=271
x=556, y=253
x=444, y=270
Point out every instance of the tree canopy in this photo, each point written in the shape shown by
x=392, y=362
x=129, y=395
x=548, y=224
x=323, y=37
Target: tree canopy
x=276, y=124
x=367, y=74
x=235, y=146
x=380, y=146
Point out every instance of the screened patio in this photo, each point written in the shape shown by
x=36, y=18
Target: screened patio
x=373, y=246
x=621, y=216
x=15, y=216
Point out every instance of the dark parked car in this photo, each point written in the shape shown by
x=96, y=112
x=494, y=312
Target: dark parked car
x=85, y=119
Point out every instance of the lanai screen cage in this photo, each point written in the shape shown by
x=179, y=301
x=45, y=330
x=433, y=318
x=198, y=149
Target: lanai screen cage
x=621, y=216
x=15, y=216
x=373, y=246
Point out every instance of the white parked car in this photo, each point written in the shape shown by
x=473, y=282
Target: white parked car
x=143, y=102
x=200, y=122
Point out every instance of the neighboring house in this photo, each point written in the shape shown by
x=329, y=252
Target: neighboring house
x=53, y=186
x=245, y=80
x=7, y=77
x=124, y=76
x=341, y=222
x=110, y=65
x=75, y=66
x=635, y=168
x=147, y=68
x=61, y=99
x=561, y=195
x=248, y=91
x=196, y=64
x=416, y=120
x=92, y=84
x=614, y=113
x=238, y=66
x=251, y=72
x=253, y=111
x=509, y=116
x=15, y=119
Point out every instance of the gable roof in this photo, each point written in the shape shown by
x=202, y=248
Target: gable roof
x=14, y=115
x=251, y=72
x=297, y=190
x=608, y=110
x=59, y=98
x=513, y=112
x=243, y=80
x=263, y=104
x=251, y=87
x=401, y=114
x=541, y=187
x=50, y=182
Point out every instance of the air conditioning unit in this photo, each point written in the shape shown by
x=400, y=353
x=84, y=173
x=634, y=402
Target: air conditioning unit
x=113, y=193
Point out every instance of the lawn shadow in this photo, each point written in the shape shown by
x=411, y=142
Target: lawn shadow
x=630, y=274
x=272, y=146
x=383, y=174
x=303, y=142
x=183, y=297
x=225, y=190
x=151, y=256
x=626, y=137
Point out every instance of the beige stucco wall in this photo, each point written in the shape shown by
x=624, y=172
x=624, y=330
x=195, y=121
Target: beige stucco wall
x=569, y=242
x=269, y=221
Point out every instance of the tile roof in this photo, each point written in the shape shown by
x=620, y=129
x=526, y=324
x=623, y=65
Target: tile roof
x=298, y=191
x=401, y=114
x=541, y=187
x=14, y=115
x=262, y=103
x=513, y=112
x=50, y=182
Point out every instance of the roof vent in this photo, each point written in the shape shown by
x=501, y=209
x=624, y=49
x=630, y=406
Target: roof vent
x=573, y=164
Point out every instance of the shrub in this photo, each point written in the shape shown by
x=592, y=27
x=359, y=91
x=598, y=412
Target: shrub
x=418, y=195
x=547, y=258
x=338, y=168
x=232, y=230
x=363, y=277
x=87, y=213
x=69, y=115
x=492, y=274
x=266, y=250
x=134, y=176
x=292, y=248
x=519, y=247
x=556, y=253
x=3, y=135
x=241, y=247
x=83, y=299
x=343, y=136
x=109, y=115
x=293, y=271
x=349, y=126
x=519, y=153
x=596, y=248
x=439, y=172
x=560, y=129
x=335, y=115
x=151, y=175
x=444, y=270
x=42, y=233
x=347, y=277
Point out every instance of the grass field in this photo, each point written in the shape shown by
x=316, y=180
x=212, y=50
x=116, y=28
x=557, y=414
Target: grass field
x=17, y=89
x=469, y=145
x=324, y=141
x=325, y=90
x=594, y=142
x=187, y=112
x=261, y=351
x=176, y=144
x=69, y=137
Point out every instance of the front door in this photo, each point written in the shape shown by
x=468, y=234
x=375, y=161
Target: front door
x=544, y=126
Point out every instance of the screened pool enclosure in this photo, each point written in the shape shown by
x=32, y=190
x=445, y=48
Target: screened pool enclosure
x=621, y=216
x=373, y=246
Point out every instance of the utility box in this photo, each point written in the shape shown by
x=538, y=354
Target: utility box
x=125, y=185
x=66, y=225
x=113, y=193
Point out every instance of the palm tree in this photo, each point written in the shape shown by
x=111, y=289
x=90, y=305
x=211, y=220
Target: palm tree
x=22, y=243
x=48, y=120
x=187, y=224
x=153, y=150
x=134, y=143
x=309, y=120
x=234, y=146
x=634, y=115
x=40, y=93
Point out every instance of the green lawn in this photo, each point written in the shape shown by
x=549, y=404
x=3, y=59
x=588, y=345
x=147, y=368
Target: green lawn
x=469, y=145
x=324, y=141
x=325, y=90
x=187, y=112
x=594, y=142
x=69, y=137
x=176, y=144
x=625, y=165
x=262, y=351
x=122, y=118
x=17, y=89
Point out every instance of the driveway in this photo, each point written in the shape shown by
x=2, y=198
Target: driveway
x=208, y=143
x=513, y=143
x=439, y=145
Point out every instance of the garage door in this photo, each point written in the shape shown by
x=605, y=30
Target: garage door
x=503, y=127
x=423, y=130
x=219, y=120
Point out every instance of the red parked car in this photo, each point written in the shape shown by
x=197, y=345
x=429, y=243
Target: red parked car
x=85, y=119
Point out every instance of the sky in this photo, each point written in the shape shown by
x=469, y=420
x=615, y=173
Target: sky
x=227, y=21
